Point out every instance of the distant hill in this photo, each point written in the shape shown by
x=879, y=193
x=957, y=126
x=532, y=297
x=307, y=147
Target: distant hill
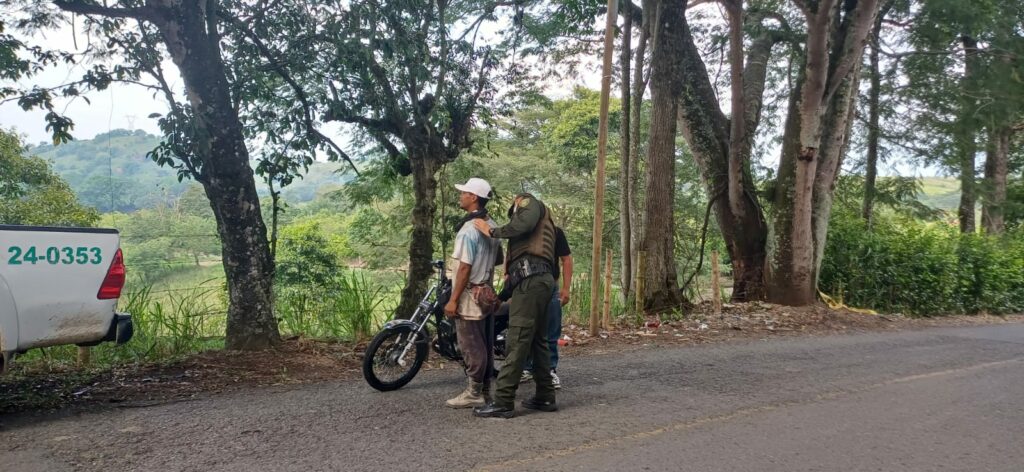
x=940, y=192
x=112, y=172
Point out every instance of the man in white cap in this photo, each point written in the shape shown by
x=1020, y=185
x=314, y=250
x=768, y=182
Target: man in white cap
x=476, y=255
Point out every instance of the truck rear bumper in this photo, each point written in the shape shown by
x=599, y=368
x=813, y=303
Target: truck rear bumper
x=124, y=329
x=121, y=331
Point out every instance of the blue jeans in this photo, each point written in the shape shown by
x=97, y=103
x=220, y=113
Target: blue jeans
x=554, y=329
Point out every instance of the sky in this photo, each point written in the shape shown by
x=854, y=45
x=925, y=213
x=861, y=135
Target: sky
x=118, y=107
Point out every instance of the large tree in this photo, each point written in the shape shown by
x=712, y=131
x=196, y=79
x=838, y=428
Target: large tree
x=204, y=136
x=777, y=261
x=814, y=143
x=412, y=75
x=964, y=66
x=658, y=241
x=722, y=147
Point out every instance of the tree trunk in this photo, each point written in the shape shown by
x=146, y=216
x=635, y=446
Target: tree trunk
x=191, y=38
x=966, y=139
x=996, y=170
x=874, y=96
x=709, y=135
x=662, y=287
x=421, y=244
x=625, y=173
x=737, y=125
x=814, y=141
x=637, y=102
x=835, y=141
x=275, y=213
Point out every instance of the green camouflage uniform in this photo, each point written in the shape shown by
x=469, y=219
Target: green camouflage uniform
x=531, y=235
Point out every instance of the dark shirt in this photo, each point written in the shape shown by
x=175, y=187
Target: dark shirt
x=561, y=250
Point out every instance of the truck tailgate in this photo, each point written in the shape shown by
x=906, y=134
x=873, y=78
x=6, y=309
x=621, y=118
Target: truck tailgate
x=54, y=276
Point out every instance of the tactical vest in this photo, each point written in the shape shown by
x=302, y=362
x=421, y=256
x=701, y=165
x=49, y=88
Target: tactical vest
x=540, y=243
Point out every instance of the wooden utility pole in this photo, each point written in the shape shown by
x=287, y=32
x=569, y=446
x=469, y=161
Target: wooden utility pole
x=641, y=281
x=602, y=144
x=84, y=356
x=716, y=285
x=608, y=292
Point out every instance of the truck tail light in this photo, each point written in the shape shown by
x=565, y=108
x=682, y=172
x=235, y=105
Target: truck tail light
x=114, y=280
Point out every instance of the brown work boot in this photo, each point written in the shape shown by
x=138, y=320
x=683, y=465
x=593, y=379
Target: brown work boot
x=470, y=397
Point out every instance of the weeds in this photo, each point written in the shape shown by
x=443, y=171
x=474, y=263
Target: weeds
x=351, y=309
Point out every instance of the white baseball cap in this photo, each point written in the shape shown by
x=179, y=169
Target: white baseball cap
x=478, y=187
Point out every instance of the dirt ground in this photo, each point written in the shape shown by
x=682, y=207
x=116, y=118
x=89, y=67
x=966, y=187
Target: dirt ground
x=300, y=360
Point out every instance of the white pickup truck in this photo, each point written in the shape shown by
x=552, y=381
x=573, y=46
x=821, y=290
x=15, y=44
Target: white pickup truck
x=59, y=286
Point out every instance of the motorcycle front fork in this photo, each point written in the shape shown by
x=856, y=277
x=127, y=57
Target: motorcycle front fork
x=424, y=308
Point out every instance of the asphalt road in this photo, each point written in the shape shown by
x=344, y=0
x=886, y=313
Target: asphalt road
x=940, y=399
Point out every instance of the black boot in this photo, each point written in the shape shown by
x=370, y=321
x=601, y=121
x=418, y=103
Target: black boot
x=491, y=410
x=541, y=405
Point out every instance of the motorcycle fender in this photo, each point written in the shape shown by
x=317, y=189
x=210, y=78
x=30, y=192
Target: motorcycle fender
x=424, y=335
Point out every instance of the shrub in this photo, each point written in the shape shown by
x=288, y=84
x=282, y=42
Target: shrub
x=921, y=268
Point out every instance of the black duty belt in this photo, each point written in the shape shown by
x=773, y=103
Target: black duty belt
x=526, y=267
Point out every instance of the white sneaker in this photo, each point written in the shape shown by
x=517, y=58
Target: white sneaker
x=527, y=377
x=555, y=380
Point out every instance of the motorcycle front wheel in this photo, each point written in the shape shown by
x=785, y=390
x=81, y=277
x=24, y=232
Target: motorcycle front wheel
x=384, y=365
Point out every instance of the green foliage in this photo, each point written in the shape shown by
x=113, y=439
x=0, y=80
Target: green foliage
x=350, y=307
x=160, y=241
x=577, y=311
x=308, y=258
x=571, y=133
x=899, y=194
x=315, y=294
x=1015, y=204
x=920, y=268
x=30, y=192
x=946, y=108
x=111, y=172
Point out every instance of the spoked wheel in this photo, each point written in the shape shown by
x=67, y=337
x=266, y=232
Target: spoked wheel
x=393, y=358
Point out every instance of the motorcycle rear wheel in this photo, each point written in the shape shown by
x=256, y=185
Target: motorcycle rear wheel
x=383, y=369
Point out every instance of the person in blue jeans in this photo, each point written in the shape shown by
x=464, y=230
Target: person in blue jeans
x=559, y=297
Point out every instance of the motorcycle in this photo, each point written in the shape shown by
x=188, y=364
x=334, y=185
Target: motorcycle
x=396, y=354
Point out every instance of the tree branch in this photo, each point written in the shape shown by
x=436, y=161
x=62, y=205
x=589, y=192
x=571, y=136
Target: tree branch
x=307, y=108
x=858, y=31
x=802, y=5
x=80, y=7
x=900, y=55
x=694, y=3
x=754, y=80
x=627, y=6
x=488, y=11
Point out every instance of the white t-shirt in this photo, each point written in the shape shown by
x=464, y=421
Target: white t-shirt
x=480, y=251
x=476, y=249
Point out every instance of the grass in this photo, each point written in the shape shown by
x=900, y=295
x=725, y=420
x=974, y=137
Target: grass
x=578, y=309
x=165, y=329
x=186, y=313
x=352, y=309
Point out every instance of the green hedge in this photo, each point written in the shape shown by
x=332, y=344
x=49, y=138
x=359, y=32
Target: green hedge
x=923, y=268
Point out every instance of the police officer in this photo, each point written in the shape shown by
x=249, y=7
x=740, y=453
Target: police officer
x=531, y=258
